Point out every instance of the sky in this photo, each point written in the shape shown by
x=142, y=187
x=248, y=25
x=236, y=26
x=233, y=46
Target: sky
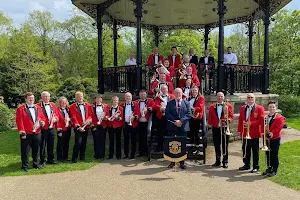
x=18, y=9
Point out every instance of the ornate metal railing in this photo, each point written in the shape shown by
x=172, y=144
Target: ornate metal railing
x=238, y=78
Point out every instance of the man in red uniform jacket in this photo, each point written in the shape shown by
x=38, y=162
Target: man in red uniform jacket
x=174, y=58
x=145, y=107
x=276, y=122
x=251, y=117
x=81, y=115
x=51, y=114
x=131, y=117
x=29, y=120
x=197, y=103
x=99, y=113
x=154, y=58
x=115, y=123
x=156, y=85
x=189, y=74
x=160, y=104
x=216, y=121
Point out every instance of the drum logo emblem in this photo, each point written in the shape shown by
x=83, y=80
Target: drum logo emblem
x=175, y=147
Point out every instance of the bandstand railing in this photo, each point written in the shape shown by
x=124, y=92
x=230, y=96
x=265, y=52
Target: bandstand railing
x=238, y=78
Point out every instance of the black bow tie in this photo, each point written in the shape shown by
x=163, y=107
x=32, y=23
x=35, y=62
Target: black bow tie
x=163, y=96
x=81, y=104
x=193, y=97
x=220, y=104
x=128, y=104
x=271, y=115
x=47, y=104
x=99, y=105
x=229, y=53
x=187, y=87
x=30, y=106
x=142, y=100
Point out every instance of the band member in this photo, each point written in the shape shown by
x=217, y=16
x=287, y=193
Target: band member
x=29, y=120
x=156, y=85
x=160, y=103
x=81, y=116
x=189, y=74
x=276, y=122
x=187, y=89
x=162, y=70
x=131, y=114
x=206, y=59
x=206, y=74
x=193, y=57
x=99, y=113
x=170, y=68
x=174, y=58
x=51, y=114
x=197, y=104
x=229, y=57
x=154, y=58
x=63, y=130
x=145, y=107
x=219, y=115
x=186, y=63
x=178, y=114
x=115, y=123
x=250, y=119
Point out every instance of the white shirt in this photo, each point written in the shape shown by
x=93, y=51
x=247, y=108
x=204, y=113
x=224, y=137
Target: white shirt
x=156, y=59
x=142, y=106
x=48, y=110
x=187, y=91
x=127, y=112
x=130, y=61
x=192, y=101
x=173, y=59
x=99, y=111
x=247, y=110
x=32, y=112
x=81, y=107
x=113, y=111
x=205, y=60
x=219, y=110
x=230, y=58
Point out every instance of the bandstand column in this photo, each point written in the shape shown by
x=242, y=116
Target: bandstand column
x=138, y=14
x=156, y=36
x=221, y=70
x=251, y=80
x=115, y=37
x=206, y=38
x=265, y=80
x=100, y=51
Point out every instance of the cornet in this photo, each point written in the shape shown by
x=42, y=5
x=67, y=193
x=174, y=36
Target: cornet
x=114, y=116
x=130, y=120
x=86, y=123
x=67, y=121
x=266, y=131
x=52, y=120
x=36, y=125
x=101, y=118
x=166, y=71
x=143, y=114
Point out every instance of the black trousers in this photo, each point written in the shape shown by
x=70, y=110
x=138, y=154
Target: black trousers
x=112, y=133
x=142, y=135
x=47, y=141
x=248, y=145
x=129, y=134
x=193, y=134
x=162, y=131
x=99, y=137
x=62, y=146
x=217, y=144
x=34, y=141
x=80, y=145
x=272, y=155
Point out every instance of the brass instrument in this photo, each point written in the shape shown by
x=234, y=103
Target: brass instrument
x=226, y=117
x=101, y=118
x=86, y=123
x=36, y=125
x=143, y=114
x=163, y=103
x=266, y=131
x=114, y=116
x=248, y=125
x=166, y=71
x=52, y=120
x=153, y=79
x=67, y=121
x=130, y=120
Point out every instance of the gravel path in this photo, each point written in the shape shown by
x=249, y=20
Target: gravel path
x=135, y=179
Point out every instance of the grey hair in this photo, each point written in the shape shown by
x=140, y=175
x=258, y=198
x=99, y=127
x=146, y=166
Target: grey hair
x=45, y=93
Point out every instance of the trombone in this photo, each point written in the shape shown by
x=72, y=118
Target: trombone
x=247, y=133
x=226, y=127
x=265, y=133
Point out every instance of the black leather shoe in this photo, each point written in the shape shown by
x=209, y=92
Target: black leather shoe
x=43, y=164
x=171, y=165
x=268, y=171
x=125, y=157
x=254, y=170
x=225, y=165
x=245, y=167
x=74, y=161
x=182, y=166
x=216, y=164
x=37, y=167
x=131, y=157
x=272, y=174
x=140, y=155
x=25, y=169
x=110, y=157
x=118, y=158
x=52, y=163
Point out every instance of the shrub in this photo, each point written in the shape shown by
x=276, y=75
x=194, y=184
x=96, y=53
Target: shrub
x=7, y=116
x=69, y=87
x=290, y=105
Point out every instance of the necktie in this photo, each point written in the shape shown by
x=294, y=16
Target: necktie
x=178, y=106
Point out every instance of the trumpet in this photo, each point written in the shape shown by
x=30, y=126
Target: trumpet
x=130, y=121
x=266, y=132
x=67, y=121
x=248, y=132
x=52, y=120
x=101, y=118
x=114, y=116
x=36, y=125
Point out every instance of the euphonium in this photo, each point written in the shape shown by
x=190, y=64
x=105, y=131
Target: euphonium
x=226, y=117
x=166, y=71
x=266, y=131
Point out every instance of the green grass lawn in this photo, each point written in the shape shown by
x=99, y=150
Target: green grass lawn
x=10, y=159
x=294, y=122
x=289, y=167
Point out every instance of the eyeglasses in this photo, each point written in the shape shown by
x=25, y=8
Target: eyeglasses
x=250, y=97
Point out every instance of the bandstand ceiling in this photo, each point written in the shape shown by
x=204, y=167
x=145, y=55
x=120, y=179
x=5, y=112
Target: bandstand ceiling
x=172, y=14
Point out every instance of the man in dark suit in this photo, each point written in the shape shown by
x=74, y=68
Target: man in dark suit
x=205, y=73
x=193, y=57
x=206, y=59
x=178, y=114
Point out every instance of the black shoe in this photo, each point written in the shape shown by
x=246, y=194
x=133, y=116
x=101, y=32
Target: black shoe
x=125, y=157
x=82, y=159
x=68, y=160
x=171, y=165
x=110, y=157
x=272, y=174
x=131, y=157
x=74, y=161
x=216, y=164
x=255, y=170
x=225, y=165
x=24, y=169
x=37, y=167
x=140, y=155
x=52, y=163
x=245, y=167
x=118, y=158
x=43, y=164
x=182, y=166
x=268, y=171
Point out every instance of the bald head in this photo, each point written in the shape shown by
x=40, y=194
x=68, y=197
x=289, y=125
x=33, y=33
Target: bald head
x=128, y=97
x=220, y=97
x=178, y=93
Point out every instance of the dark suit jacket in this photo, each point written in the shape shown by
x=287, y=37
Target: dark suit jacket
x=194, y=60
x=184, y=116
x=210, y=60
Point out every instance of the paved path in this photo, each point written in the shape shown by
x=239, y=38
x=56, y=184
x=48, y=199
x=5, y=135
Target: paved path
x=150, y=180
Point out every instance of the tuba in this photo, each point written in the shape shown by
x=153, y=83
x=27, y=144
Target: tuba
x=266, y=131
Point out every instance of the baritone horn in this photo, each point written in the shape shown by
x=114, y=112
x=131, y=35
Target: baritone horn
x=266, y=132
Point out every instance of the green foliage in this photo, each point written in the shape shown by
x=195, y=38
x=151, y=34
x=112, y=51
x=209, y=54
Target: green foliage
x=290, y=105
x=69, y=87
x=294, y=122
x=7, y=117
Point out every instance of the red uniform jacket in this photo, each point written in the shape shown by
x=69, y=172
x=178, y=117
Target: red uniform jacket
x=94, y=115
x=195, y=81
x=256, y=119
x=275, y=126
x=115, y=123
x=149, y=103
x=155, y=84
x=75, y=114
x=151, y=59
x=172, y=71
x=177, y=61
x=24, y=119
x=198, y=106
x=61, y=119
x=136, y=113
x=157, y=105
x=213, y=119
x=54, y=111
